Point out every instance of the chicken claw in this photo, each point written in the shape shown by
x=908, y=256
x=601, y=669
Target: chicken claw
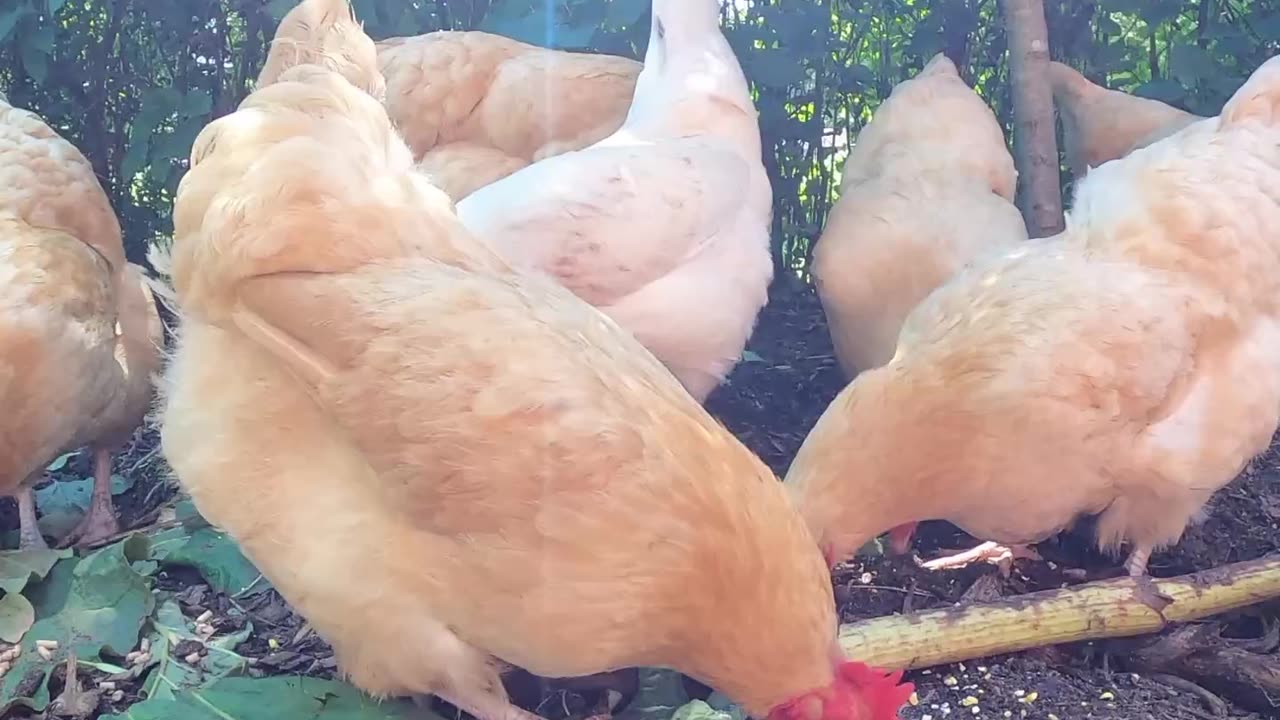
x=994, y=553
x=100, y=521
x=30, y=537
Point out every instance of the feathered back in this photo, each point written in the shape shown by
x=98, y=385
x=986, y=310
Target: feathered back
x=264, y=182
x=943, y=120
x=324, y=33
x=50, y=184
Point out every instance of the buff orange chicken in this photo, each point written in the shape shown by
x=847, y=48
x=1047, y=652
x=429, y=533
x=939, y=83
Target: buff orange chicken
x=1098, y=372
x=449, y=466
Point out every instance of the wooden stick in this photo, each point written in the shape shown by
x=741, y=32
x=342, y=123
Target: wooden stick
x=1107, y=609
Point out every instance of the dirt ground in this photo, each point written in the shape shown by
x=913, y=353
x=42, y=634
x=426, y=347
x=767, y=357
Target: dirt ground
x=770, y=402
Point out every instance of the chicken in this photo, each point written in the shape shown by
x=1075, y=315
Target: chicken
x=1098, y=372
x=663, y=226
x=476, y=107
x=919, y=200
x=79, y=333
x=447, y=465
x=1099, y=125
x=326, y=33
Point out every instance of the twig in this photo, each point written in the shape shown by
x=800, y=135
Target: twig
x=1215, y=704
x=1122, y=607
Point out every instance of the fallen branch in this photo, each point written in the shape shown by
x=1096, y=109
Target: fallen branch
x=1107, y=609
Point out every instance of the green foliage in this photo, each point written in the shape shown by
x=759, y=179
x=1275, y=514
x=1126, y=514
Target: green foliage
x=90, y=606
x=297, y=698
x=132, y=82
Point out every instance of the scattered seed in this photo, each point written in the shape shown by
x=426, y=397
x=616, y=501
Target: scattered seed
x=204, y=617
x=117, y=696
x=1107, y=695
x=192, y=659
x=45, y=653
x=1031, y=697
x=145, y=645
x=1008, y=713
x=273, y=643
x=914, y=699
x=141, y=659
x=969, y=701
x=1053, y=717
x=926, y=717
x=867, y=578
x=1019, y=693
x=950, y=681
x=106, y=686
x=975, y=710
x=204, y=630
x=47, y=644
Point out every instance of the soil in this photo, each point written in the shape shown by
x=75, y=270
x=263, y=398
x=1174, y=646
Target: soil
x=770, y=402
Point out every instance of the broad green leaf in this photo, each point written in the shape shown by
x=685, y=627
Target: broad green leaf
x=295, y=698
x=19, y=567
x=63, y=503
x=776, y=68
x=9, y=18
x=196, y=103
x=34, y=52
x=16, y=617
x=89, y=605
x=218, y=559
x=171, y=674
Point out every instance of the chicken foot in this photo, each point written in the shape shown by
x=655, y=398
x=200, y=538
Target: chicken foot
x=100, y=521
x=994, y=553
x=29, y=529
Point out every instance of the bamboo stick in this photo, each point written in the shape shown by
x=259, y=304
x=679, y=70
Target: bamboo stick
x=1122, y=607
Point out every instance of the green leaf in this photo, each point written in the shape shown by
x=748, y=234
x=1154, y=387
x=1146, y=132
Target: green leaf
x=279, y=8
x=89, y=605
x=699, y=710
x=60, y=462
x=16, y=617
x=624, y=13
x=63, y=503
x=158, y=105
x=9, y=18
x=295, y=698
x=219, y=561
x=776, y=69
x=171, y=674
x=19, y=567
x=195, y=104
x=34, y=52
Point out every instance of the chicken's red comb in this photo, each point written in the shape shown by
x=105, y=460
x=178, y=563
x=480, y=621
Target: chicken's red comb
x=882, y=691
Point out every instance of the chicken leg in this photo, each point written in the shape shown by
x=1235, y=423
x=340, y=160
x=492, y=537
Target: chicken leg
x=999, y=555
x=1137, y=562
x=29, y=530
x=100, y=521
